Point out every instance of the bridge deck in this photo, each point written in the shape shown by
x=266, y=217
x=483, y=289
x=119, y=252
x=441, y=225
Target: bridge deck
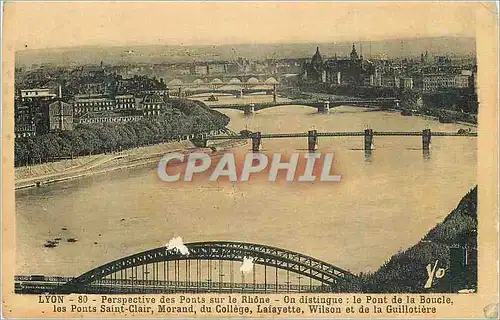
x=307, y=102
x=51, y=284
x=346, y=134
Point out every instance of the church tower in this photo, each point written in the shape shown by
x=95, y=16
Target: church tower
x=354, y=54
x=317, y=59
x=316, y=67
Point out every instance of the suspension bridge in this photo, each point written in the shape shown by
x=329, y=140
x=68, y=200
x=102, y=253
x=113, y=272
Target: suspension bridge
x=313, y=135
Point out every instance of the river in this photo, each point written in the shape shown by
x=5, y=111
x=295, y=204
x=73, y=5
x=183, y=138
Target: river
x=384, y=203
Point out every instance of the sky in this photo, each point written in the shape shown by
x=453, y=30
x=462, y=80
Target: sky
x=39, y=25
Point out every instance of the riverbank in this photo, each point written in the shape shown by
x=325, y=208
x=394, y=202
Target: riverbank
x=444, y=245
x=48, y=173
x=427, y=117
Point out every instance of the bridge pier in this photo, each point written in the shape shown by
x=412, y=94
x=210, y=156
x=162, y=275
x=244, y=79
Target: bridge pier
x=426, y=139
x=249, y=109
x=368, y=139
x=325, y=108
x=274, y=93
x=239, y=94
x=180, y=92
x=256, y=141
x=312, y=140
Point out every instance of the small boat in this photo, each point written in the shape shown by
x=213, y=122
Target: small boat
x=464, y=131
x=50, y=244
x=72, y=240
x=406, y=112
x=445, y=119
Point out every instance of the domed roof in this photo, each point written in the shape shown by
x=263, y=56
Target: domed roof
x=317, y=59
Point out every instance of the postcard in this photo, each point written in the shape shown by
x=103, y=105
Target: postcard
x=250, y=159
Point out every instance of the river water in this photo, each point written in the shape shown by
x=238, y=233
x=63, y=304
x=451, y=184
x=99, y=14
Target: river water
x=384, y=203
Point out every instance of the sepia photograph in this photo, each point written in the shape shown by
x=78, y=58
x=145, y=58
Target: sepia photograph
x=256, y=159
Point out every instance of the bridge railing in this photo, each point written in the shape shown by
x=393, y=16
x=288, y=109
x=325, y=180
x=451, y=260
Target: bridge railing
x=24, y=284
x=346, y=134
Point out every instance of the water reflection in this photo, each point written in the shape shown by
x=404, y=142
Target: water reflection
x=427, y=154
x=368, y=155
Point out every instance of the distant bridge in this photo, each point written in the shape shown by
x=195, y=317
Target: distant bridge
x=236, y=89
x=209, y=267
x=312, y=137
x=321, y=106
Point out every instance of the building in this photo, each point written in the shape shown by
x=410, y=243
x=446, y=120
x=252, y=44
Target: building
x=439, y=81
x=30, y=94
x=353, y=70
x=315, y=70
x=216, y=68
x=60, y=116
x=125, y=102
x=109, y=117
x=153, y=105
x=31, y=112
x=84, y=105
x=406, y=83
x=390, y=81
x=24, y=120
x=201, y=70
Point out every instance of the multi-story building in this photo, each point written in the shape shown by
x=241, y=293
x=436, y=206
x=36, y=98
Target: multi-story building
x=109, y=117
x=60, y=116
x=38, y=94
x=216, y=68
x=125, y=102
x=201, y=70
x=83, y=105
x=438, y=81
x=31, y=111
x=153, y=105
x=390, y=81
x=24, y=120
x=406, y=83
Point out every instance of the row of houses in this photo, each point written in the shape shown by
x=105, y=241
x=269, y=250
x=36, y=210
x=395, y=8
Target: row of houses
x=39, y=111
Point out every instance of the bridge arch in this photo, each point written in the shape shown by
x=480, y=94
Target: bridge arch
x=216, y=81
x=175, y=82
x=271, y=80
x=253, y=80
x=198, y=81
x=234, y=81
x=298, y=263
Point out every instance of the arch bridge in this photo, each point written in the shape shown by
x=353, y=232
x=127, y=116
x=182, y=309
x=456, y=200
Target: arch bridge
x=237, y=89
x=209, y=267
